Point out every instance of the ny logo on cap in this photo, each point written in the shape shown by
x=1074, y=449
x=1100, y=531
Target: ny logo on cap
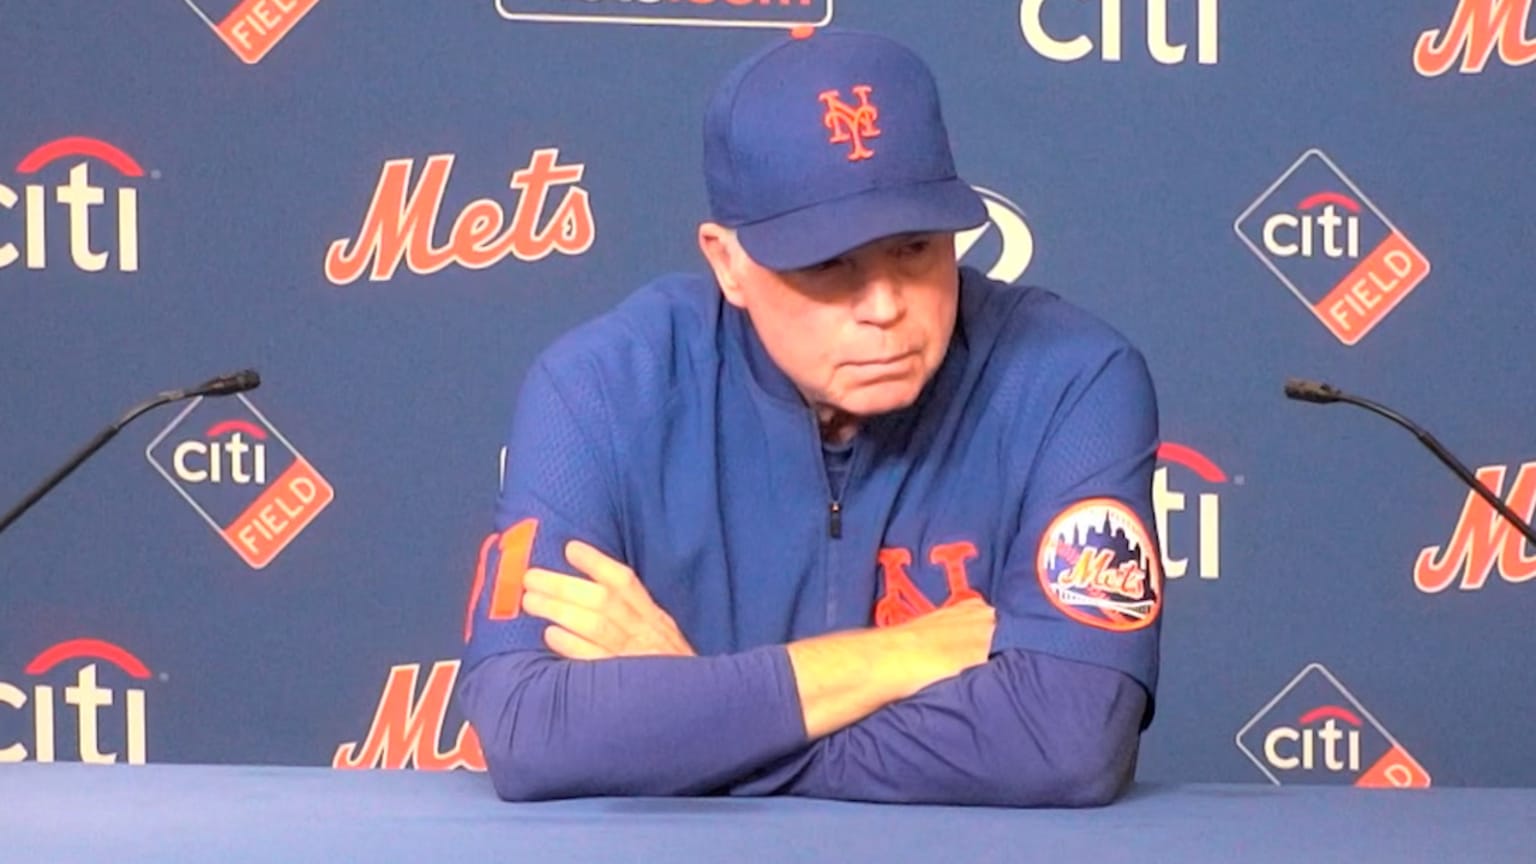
x=851, y=123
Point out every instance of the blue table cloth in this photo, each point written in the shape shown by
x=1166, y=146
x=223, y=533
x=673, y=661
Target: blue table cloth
x=57, y=813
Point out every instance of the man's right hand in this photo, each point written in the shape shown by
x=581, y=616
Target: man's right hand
x=608, y=614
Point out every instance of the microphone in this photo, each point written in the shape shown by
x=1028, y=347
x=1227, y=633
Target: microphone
x=224, y=385
x=227, y=385
x=1310, y=391
x=1303, y=390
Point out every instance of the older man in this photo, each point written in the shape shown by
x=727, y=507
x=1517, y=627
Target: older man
x=844, y=520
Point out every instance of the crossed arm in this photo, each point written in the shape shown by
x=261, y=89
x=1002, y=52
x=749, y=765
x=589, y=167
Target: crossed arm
x=840, y=678
x=915, y=712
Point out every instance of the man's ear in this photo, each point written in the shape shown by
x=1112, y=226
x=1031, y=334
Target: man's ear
x=718, y=243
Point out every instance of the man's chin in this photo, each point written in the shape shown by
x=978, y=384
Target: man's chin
x=880, y=398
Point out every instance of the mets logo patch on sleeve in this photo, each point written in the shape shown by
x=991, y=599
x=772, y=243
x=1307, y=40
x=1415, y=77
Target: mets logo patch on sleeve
x=1098, y=565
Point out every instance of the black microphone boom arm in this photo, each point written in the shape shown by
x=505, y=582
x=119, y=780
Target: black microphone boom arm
x=1316, y=391
x=236, y=383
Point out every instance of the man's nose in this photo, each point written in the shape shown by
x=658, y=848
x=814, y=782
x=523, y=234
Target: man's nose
x=881, y=299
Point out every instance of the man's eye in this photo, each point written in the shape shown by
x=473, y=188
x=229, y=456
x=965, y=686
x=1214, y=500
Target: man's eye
x=825, y=266
x=913, y=248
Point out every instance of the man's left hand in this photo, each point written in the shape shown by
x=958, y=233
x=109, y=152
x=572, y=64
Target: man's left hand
x=610, y=614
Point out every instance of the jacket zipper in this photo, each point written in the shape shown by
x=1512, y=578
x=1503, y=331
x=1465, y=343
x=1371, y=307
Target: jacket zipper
x=834, y=496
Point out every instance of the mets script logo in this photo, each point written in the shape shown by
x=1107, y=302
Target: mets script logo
x=407, y=729
x=1483, y=540
x=781, y=14
x=1315, y=731
x=1098, y=565
x=401, y=222
x=97, y=722
x=1477, y=29
x=1334, y=249
x=851, y=124
x=1004, y=246
x=241, y=475
x=77, y=195
x=251, y=27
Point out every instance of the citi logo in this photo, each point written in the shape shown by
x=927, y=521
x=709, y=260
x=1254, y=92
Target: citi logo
x=98, y=711
x=1314, y=745
x=1315, y=731
x=236, y=460
x=401, y=222
x=1004, y=246
x=1483, y=542
x=1188, y=521
x=1477, y=29
x=1327, y=231
x=89, y=250
x=1199, y=17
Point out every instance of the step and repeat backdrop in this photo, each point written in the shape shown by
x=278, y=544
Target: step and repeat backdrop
x=389, y=208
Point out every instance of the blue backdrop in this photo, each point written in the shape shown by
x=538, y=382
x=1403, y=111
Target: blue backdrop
x=388, y=209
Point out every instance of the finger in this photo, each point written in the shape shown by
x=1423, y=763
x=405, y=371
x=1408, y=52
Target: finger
x=573, y=647
x=623, y=619
x=617, y=576
x=629, y=606
x=603, y=570
x=666, y=632
x=680, y=646
x=572, y=589
x=580, y=620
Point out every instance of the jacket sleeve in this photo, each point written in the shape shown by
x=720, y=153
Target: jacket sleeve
x=552, y=727
x=1022, y=730
x=1082, y=575
x=555, y=728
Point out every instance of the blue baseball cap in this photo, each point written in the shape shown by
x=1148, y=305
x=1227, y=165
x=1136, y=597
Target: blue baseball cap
x=816, y=145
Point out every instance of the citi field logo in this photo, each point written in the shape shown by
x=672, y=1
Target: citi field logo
x=1004, y=246
x=241, y=475
x=1332, y=247
x=93, y=246
x=682, y=13
x=1483, y=541
x=251, y=27
x=408, y=725
x=1186, y=500
x=1316, y=732
x=401, y=222
x=1198, y=19
x=1476, y=30
x=100, y=717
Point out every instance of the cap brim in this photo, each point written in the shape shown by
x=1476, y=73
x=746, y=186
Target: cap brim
x=825, y=231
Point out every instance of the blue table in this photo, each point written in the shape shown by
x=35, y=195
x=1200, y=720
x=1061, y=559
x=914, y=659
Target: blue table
x=51, y=814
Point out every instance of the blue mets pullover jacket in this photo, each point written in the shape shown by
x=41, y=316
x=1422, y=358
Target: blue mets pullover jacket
x=664, y=435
